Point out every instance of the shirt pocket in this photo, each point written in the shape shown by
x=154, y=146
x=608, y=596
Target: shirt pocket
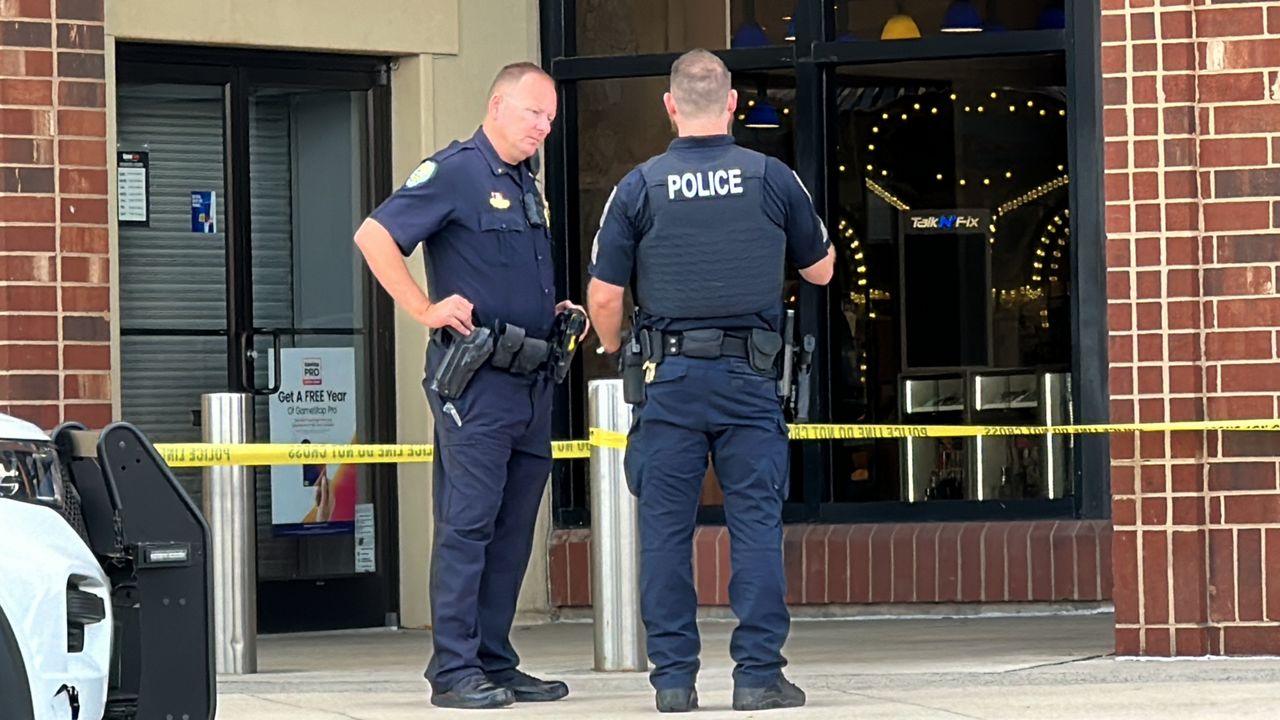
x=499, y=234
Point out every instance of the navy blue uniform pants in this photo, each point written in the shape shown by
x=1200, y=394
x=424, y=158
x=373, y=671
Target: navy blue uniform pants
x=490, y=469
x=722, y=409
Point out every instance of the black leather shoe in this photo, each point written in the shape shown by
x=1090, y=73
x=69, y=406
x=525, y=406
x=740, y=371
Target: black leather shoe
x=677, y=700
x=782, y=694
x=527, y=688
x=473, y=693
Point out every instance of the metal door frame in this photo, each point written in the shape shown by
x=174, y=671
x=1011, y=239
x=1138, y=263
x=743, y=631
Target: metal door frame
x=238, y=72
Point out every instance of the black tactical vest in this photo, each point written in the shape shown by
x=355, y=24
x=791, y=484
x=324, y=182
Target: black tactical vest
x=711, y=251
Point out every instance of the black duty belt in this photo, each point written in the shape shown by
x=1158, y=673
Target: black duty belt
x=729, y=345
x=508, y=347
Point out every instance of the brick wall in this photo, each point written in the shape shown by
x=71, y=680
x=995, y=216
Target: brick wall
x=968, y=562
x=55, y=357
x=1192, y=179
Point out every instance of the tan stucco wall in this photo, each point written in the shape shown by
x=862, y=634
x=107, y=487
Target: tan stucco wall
x=492, y=33
x=384, y=27
x=447, y=53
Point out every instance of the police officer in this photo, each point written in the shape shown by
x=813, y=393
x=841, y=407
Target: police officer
x=705, y=229
x=477, y=211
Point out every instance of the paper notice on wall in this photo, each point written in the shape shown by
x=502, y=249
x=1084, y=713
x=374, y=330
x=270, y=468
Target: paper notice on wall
x=204, y=211
x=366, y=541
x=132, y=206
x=316, y=404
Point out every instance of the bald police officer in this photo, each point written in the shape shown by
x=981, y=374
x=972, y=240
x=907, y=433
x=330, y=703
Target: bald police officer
x=705, y=229
x=476, y=209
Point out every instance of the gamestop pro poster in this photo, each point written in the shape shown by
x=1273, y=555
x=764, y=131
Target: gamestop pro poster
x=316, y=404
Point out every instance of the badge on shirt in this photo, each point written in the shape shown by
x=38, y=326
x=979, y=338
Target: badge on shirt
x=421, y=174
x=498, y=200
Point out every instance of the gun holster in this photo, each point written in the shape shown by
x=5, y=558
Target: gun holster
x=639, y=349
x=464, y=355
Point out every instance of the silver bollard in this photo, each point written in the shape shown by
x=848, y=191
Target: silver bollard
x=615, y=541
x=229, y=509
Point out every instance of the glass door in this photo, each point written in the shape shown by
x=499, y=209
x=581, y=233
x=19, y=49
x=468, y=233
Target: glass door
x=246, y=280
x=310, y=344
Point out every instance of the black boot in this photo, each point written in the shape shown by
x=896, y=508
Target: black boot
x=677, y=700
x=781, y=694
x=474, y=692
x=527, y=688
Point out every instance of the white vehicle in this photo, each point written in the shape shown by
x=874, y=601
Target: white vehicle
x=104, y=580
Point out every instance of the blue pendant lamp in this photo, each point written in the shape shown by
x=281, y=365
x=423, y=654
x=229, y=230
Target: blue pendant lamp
x=762, y=116
x=961, y=16
x=749, y=34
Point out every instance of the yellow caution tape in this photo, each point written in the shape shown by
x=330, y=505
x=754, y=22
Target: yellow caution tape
x=608, y=439
x=211, y=454
x=859, y=432
x=206, y=454
x=571, y=449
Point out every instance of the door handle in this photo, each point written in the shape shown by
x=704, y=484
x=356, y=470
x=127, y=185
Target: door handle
x=251, y=353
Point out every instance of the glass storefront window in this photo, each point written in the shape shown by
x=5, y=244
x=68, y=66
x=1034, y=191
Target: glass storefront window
x=906, y=19
x=942, y=174
x=951, y=300
x=633, y=27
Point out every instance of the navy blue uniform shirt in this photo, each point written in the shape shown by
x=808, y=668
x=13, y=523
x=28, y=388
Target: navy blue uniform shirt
x=627, y=217
x=484, y=227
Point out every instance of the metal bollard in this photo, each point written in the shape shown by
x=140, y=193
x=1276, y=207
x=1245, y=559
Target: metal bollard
x=229, y=509
x=615, y=541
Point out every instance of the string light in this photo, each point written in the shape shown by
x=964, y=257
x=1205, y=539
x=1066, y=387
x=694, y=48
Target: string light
x=885, y=195
x=1033, y=194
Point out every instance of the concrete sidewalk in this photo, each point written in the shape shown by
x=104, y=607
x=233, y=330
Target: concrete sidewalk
x=1020, y=668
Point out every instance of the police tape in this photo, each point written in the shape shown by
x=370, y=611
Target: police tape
x=256, y=454
x=869, y=432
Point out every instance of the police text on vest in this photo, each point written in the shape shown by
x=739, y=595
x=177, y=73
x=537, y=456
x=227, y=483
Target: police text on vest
x=710, y=183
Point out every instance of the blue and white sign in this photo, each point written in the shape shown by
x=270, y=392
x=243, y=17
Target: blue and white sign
x=204, y=211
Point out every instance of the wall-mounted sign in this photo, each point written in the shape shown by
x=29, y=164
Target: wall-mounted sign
x=948, y=221
x=133, y=202
x=204, y=211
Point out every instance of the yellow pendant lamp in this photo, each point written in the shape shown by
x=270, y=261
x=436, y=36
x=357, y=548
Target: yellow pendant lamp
x=900, y=27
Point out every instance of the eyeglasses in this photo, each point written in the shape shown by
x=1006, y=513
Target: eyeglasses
x=533, y=210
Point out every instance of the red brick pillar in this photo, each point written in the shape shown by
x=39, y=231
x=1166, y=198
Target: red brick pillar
x=1192, y=176
x=55, y=340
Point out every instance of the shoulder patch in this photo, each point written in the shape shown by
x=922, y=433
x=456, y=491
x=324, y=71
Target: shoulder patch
x=421, y=174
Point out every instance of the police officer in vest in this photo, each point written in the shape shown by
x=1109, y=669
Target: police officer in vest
x=476, y=209
x=704, y=230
